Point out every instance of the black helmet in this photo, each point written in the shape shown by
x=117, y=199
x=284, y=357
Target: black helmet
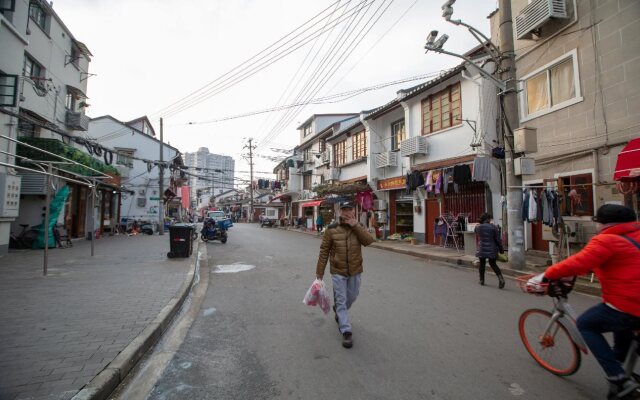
x=614, y=213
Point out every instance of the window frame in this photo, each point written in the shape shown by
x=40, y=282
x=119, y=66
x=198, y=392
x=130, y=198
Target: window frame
x=451, y=119
x=13, y=95
x=34, y=63
x=340, y=153
x=10, y=8
x=395, y=143
x=42, y=15
x=307, y=181
x=306, y=130
x=359, y=145
x=522, y=87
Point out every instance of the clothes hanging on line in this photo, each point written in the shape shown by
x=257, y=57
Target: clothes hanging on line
x=428, y=181
x=365, y=199
x=414, y=180
x=447, y=174
x=482, y=169
x=462, y=174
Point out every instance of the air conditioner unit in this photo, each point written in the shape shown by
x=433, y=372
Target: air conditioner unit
x=142, y=192
x=379, y=205
x=387, y=159
x=538, y=13
x=33, y=183
x=413, y=145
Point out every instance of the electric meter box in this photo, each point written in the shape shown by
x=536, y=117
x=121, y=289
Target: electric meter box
x=9, y=195
x=526, y=140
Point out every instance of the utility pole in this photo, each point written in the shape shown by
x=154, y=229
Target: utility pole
x=251, y=147
x=161, y=184
x=514, y=225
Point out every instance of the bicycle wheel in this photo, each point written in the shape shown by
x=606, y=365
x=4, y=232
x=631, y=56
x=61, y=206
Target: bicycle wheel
x=555, y=351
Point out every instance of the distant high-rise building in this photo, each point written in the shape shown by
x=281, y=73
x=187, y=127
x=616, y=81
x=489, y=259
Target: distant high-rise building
x=216, y=175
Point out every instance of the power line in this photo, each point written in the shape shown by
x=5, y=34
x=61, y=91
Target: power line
x=251, y=69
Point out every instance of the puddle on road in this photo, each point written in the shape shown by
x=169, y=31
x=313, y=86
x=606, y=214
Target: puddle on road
x=233, y=268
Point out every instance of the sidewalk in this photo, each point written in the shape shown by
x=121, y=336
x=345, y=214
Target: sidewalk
x=452, y=256
x=90, y=319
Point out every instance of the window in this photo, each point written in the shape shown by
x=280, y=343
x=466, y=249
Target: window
x=8, y=90
x=33, y=70
x=306, y=130
x=551, y=87
x=70, y=101
x=340, y=153
x=442, y=110
x=359, y=145
x=125, y=157
x=7, y=6
x=577, y=196
x=306, y=181
x=322, y=145
x=38, y=15
x=307, y=154
x=27, y=129
x=398, y=134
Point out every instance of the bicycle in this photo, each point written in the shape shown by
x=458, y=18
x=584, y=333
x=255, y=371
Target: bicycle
x=25, y=239
x=552, y=338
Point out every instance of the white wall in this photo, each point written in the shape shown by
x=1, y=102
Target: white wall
x=139, y=178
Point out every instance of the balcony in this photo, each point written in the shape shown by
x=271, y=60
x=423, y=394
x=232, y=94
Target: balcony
x=77, y=121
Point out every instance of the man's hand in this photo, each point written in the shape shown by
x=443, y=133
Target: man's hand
x=351, y=222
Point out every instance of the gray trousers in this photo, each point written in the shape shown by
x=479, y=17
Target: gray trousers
x=345, y=293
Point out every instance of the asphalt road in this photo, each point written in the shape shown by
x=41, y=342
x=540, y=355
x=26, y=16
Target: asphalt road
x=421, y=331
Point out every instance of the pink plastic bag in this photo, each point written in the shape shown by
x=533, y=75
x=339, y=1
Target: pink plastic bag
x=317, y=296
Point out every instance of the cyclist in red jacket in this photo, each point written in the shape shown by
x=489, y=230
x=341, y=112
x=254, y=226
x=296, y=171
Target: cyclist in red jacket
x=614, y=256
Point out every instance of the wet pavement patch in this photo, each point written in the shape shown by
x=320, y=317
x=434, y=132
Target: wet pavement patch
x=233, y=268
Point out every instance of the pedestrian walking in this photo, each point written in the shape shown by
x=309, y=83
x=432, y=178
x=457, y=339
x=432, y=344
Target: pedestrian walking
x=489, y=245
x=319, y=223
x=342, y=247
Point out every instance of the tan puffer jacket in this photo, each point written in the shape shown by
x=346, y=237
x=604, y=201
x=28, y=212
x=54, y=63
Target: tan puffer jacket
x=342, y=247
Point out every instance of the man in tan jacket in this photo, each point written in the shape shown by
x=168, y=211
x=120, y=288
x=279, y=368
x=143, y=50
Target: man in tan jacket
x=341, y=246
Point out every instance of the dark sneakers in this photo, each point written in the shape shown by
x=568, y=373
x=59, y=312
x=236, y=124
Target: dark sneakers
x=347, y=340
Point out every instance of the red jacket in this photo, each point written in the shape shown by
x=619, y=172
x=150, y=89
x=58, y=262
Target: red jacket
x=616, y=263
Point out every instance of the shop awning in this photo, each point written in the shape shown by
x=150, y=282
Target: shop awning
x=628, y=164
x=312, y=203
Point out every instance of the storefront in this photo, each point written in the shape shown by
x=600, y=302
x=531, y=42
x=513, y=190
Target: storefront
x=400, y=206
x=309, y=213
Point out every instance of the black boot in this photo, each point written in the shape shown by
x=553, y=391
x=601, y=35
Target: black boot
x=500, y=281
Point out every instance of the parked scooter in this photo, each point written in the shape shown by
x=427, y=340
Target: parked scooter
x=213, y=231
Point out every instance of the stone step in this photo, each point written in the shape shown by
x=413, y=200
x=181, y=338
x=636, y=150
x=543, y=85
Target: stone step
x=538, y=253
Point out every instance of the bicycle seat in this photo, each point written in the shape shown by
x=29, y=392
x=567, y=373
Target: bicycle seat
x=24, y=225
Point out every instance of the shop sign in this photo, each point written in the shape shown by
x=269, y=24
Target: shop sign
x=399, y=182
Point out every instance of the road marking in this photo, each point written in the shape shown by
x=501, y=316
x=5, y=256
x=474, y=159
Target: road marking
x=209, y=311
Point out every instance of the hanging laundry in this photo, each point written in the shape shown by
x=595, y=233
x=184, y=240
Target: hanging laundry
x=428, y=181
x=438, y=179
x=462, y=174
x=408, y=184
x=365, y=199
x=545, y=207
x=447, y=174
x=533, y=206
x=539, y=201
x=482, y=169
x=525, y=205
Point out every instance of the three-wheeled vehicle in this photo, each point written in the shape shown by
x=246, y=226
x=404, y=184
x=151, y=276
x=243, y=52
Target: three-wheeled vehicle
x=214, y=230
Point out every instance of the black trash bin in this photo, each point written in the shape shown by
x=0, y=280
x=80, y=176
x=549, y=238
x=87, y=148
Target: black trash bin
x=181, y=240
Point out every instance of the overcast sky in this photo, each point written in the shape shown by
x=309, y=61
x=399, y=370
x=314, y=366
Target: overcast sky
x=149, y=54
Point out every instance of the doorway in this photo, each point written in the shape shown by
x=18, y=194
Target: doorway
x=432, y=212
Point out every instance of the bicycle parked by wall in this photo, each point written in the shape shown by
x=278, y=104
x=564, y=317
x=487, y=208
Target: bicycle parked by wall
x=25, y=239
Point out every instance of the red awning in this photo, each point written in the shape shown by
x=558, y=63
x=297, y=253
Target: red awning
x=628, y=164
x=312, y=203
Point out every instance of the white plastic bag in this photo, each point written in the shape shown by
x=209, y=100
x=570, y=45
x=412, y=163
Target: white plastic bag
x=317, y=296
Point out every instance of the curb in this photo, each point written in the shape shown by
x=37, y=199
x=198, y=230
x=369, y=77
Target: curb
x=103, y=384
x=578, y=287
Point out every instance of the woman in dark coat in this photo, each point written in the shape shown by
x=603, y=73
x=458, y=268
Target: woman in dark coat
x=489, y=244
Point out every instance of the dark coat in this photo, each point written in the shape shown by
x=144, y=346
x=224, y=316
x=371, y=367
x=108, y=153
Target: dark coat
x=489, y=242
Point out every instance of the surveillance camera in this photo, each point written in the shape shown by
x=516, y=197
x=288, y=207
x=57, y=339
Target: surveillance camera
x=432, y=36
x=441, y=41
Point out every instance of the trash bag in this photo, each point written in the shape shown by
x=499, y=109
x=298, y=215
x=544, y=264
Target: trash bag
x=317, y=296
